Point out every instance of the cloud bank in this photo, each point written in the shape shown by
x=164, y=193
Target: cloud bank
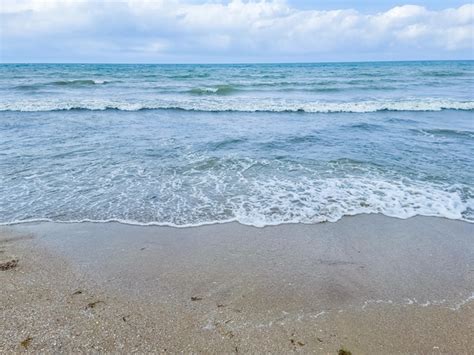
x=235, y=31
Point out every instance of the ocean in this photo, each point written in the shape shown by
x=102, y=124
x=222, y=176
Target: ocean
x=260, y=144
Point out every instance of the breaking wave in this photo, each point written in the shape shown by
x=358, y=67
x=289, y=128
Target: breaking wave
x=62, y=83
x=267, y=202
x=218, y=90
x=238, y=105
x=78, y=82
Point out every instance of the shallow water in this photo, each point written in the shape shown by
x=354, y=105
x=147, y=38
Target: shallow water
x=259, y=144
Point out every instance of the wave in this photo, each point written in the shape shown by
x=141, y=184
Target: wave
x=365, y=126
x=239, y=105
x=272, y=203
x=218, y=90
x=70, y=83
x=189, y=76
x=227, y=143
x=443, y=74
x=117, y=220
x=203, y=189
x=256, y=224
x=446, y=133
x=78, y=82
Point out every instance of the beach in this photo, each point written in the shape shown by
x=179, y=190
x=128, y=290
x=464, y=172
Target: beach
x=237, y=208
x=365, y=284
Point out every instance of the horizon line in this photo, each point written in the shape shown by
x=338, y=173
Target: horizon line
x=246, y=63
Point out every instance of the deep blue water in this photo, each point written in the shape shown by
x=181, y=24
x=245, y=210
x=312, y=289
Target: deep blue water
x=260, y=144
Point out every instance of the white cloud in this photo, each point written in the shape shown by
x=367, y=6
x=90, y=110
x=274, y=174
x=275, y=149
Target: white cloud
x=161, y=30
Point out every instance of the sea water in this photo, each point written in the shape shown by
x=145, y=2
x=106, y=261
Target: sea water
x=259, y=144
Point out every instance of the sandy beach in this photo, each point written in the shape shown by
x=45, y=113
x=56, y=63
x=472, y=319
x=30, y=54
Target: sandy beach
x=366, y=284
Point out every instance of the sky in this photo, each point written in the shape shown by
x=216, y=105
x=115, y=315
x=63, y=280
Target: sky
x=234, y=31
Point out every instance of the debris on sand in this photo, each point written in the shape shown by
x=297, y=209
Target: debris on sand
x=8, y=264
x=196, y=298
x=25, y=343
x=295, y=342
x=93, y=304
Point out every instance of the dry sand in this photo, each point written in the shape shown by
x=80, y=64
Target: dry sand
x=367, y=284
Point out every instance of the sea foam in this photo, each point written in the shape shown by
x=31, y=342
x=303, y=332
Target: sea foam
x=229, y=105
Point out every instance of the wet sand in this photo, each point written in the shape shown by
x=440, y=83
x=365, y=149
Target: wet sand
x=367, y=284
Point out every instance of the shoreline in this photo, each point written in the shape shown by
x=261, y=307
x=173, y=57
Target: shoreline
x=365, y=283
x=217, y=222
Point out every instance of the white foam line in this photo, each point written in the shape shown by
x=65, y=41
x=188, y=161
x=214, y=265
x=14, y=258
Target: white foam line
x=267, y=105
x=459, y=305
x=207, y=223
x=415, y=302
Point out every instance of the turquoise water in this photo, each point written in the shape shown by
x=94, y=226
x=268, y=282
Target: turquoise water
x=259, y=144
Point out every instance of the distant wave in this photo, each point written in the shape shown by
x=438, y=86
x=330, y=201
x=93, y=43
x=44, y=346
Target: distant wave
x=218, y=90
x=247, y=105
x=365, y=126
x=448, y=74
x=79, y=82
x=189, y=76
x=70, y=83
x=447, y=133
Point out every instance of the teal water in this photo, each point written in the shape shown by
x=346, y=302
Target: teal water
x=259, y=144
